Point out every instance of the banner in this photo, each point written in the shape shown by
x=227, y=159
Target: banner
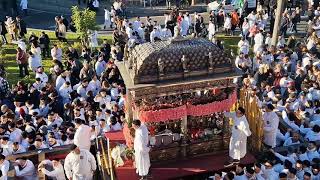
x=190, y=110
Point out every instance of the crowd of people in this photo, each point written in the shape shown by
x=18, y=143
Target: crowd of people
x=78, y=99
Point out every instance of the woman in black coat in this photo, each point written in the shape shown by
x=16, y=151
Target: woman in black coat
x=3, y=32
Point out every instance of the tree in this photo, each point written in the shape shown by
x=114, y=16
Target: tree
x=84, y=20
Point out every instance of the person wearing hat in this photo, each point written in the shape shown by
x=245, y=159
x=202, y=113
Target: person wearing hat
x=239, y=134
x=79, y=164
x=270, y=127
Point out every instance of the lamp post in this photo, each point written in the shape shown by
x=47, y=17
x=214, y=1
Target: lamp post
x=277, y=23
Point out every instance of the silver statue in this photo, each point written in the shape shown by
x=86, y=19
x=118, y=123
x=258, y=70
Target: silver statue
x=184, y=62
x=161, y=67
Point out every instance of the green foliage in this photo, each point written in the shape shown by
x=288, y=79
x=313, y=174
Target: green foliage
x=2, y=55
x=84, y=21
x=77, y=46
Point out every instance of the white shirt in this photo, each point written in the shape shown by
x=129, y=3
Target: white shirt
x=107, y=14
x=82, y=137
x=136, y=24
x=27, y=172
x=43, y=76
x=80, y=166
x=15, y=136
x=244, y=46
x=60, y=81
x=4, y=169
x=56, y=54
x=57, y=172
x=155, y=33
x=65, y=92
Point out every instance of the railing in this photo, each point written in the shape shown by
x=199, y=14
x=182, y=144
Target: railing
x=103, y=156
x=37, y=156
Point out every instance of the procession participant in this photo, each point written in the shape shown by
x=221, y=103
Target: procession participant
x=141, y=139
x=79, y=164
x=271, y=123
x=57, y=172
x=244, y=46
x=56, y=53
x=211, y=30
x=82, y=135
x=4, y=167
x=258, y=41
x=240, y=132
x=25, y=169
x=184, y=27
x=166, y=33
x=107, y=18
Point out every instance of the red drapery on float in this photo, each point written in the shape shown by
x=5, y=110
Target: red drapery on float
x=191, y=110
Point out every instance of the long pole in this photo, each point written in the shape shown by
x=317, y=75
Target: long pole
x=277, y=22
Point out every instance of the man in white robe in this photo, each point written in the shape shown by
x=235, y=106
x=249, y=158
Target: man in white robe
x=82, y=135
x=271, y=124
x=107, y=19
x=79, y=164
x=141, y=139
x=244, y=46
x=258, y=41
x=211, y=30
x=184, y=27
x=239, y=134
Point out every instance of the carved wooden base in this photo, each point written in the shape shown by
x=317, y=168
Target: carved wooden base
x=215, y=145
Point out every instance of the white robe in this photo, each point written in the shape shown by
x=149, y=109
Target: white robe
x=211, y=30
x=93, y=39
x=184, y=28
x=258, y=42
x=142, y=159
x=107, y=18
x=80, y=166
x=240, y=132
x=244, y=46
x=271, y=123
x=82, y=137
